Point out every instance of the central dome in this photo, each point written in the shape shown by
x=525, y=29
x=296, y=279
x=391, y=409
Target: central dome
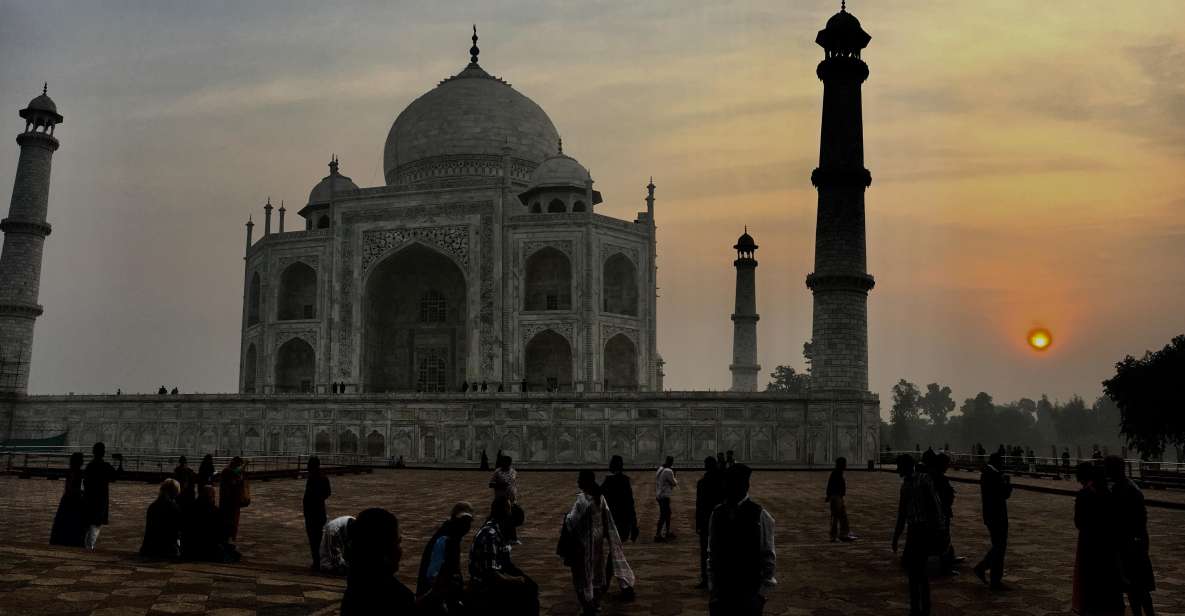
x=459, y=129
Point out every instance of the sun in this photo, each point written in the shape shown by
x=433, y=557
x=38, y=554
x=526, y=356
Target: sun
x=1040, y=339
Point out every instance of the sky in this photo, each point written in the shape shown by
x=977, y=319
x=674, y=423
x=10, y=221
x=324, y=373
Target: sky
x=1026, y=160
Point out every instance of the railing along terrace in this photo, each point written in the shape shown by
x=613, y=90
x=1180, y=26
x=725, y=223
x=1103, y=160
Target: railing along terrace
x=54, y=460
x=1037, y=466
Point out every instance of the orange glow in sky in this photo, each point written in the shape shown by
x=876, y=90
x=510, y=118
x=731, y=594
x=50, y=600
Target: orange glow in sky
x=1040, y=339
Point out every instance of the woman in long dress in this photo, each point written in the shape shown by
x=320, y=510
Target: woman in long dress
x=1097, y=587
x=69, y=524
x=599, y=556
x=230, y=496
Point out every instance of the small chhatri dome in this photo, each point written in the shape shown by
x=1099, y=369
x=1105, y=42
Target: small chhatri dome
x=332, y=184
x=43, y=107
x=843, y=34
x=745, y=242
x=559, y=172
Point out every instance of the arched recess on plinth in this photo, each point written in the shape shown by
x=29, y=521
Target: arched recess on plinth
x=415, y=309
x=298, y=293
x=547, y=362
x=621, y=364
x=296, y=365
x=548, y=280
x=620, y=285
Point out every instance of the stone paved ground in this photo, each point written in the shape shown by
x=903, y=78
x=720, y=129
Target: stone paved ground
x=816, y=577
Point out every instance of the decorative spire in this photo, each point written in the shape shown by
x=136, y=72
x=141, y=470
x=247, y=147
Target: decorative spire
x=473, y=51
x=333, y=164
x=268, y=205
x=561, y=145
x=250, y=223
x=281, y=205
x=651, y=184
x=843, y=6
x=44, y=88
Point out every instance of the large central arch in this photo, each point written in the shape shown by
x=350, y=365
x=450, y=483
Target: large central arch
x=414, y=312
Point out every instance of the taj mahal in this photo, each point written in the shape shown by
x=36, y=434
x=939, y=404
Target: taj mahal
x=477, y=301
x=482, y=260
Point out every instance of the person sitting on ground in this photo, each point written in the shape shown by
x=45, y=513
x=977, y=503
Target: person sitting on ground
x=837, y=490
x=162, y=526
x=440, y=585
x=594, y=553
x=742, y=561
x=335, y=544
x=497, y=586
x=374, y=555
x=203, y=535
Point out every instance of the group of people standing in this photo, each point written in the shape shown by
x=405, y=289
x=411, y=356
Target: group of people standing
x=1112, y=556
x=187, y=520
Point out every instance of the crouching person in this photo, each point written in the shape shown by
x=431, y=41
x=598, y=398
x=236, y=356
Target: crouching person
x=440, y=586
x=203, y=536
x=162, y=526
x=741, y=557
x=497, y=586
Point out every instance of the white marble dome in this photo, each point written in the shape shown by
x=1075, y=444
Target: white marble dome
x=459, y=129
x=331, y=184
x=560, y=170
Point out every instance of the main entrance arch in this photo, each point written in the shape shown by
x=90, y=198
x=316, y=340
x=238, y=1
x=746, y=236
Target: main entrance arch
x=547, y=362
x=414, y=312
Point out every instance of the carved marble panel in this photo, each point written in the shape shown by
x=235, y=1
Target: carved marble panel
x=456, y=441
x=621, y=442
x=402, y=438
x=592, y=442
x=761, y=444
x=703, y=443
x=538, y=443
x=566, y=448
x=452, y=240
x=675, y=442
x=649, y=446
x=788, y=447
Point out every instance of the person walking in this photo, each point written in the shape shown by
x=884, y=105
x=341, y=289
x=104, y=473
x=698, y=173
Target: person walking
x=742, y=561
x=96, y=490
x=995, y=488
x=837, y=489
x=440, y=584
x=596, y=555
x=1097, y=589
x=664, y=486
x=316, y=491
x=709, y=492
x=619, y=494
x=375, y=553
x=162, y=524
x=232, y=483
x=69, y=523
x=946, y=495
x=919, y=516
x=505, y=485
x=1131, y=530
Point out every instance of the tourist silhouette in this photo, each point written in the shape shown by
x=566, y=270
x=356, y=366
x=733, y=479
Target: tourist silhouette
x=316, y=491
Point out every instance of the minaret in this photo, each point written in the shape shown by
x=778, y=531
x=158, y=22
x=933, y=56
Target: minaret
x=24, y=238
x=744, y=317
x=267, y=218
x=840, y=282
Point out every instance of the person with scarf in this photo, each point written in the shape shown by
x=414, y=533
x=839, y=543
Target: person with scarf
x=1131, y=537
x=619, y=494
x=597, y=554
x=440, y=585
x=69, y=524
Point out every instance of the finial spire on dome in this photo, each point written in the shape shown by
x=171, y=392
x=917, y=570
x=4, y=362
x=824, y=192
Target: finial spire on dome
x=44, y=87
x=473, y=51
x=560, y=144
x=333, y=164
x=843, y=6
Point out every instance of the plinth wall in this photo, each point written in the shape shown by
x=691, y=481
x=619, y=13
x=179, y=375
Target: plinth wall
x=452, y=429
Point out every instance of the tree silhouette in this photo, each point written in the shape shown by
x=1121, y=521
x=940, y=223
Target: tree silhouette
x=904, y=415
x=1150, y=395
x=937, y=403
x=784, y=379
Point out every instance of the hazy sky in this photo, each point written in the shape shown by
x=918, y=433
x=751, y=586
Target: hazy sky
x=1027, y=162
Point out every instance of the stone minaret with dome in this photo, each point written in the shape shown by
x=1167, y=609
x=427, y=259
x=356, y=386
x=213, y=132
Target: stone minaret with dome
x=744, y=365
x=838, y=351
x=482, y=260
x=25, y=231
